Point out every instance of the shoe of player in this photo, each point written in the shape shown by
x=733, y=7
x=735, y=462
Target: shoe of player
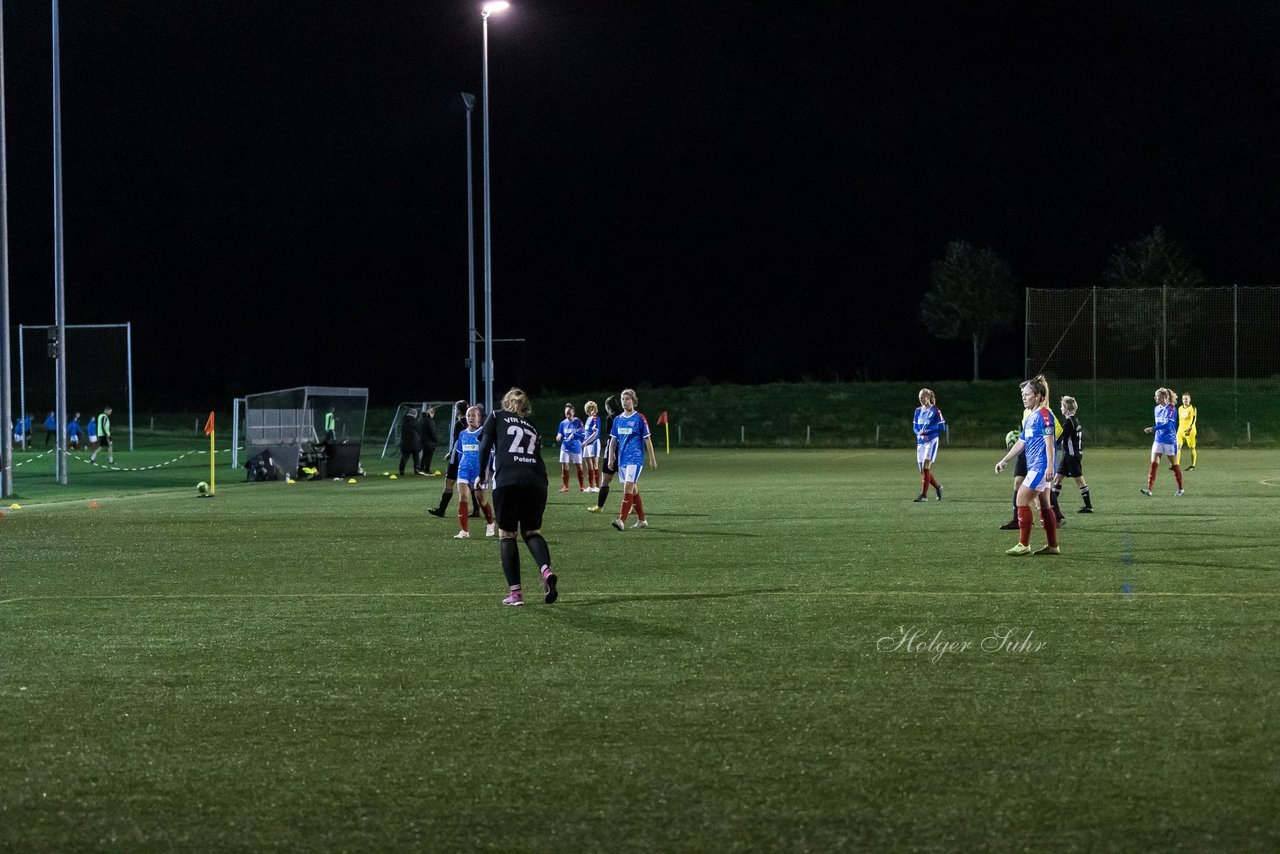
x=564, y=489
x=549, y=585
x=490, y=529
x=462, y=535
x=1048, y=550
x=436, y=511
x=619, y=524
x=1062, y=520
x=1179, y=492
x=1192, y=468
x=1145, y=492
x=920, y=498
x=516, y=598
x=1011, y=525
x=1019, y=550
x=640, y=523
x=1085, y=510
x=593, y=508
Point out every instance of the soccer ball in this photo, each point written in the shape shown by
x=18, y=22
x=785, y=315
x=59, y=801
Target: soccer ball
x=1011, y=438
x=202, y=488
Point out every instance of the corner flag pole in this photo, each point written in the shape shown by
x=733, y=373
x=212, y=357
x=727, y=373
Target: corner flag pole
x=208, y=429
x=666, y=426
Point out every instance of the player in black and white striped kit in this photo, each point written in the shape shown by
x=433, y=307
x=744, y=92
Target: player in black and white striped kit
x=519, y=492
x=1072, y=464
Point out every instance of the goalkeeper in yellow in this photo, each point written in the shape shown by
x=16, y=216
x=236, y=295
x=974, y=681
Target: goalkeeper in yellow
x=1187, y=430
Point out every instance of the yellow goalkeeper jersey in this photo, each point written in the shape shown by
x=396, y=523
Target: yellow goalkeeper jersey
x=1186, y=418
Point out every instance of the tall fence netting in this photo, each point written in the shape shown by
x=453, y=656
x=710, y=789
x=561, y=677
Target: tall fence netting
x=1118, y=345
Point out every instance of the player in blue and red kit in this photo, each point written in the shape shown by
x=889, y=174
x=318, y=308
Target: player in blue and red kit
x=570, y=435
x=628, y=440
x=471, y=475
x=1037, y=440
x=591, y=446
x=1166, y=439
x=928, y=425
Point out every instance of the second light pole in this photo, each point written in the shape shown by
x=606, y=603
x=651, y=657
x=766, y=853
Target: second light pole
x=485, y=11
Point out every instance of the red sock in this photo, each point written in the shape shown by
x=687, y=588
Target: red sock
x=639, y=505
x=626, y=506
x=581, y=485
x=1049, y=522
x=488, y=513
x=933, y=480
x=1151, y=478
x=924, y=482
x=463, y=513
x=1024, y=525
x=564, y=475
x=1177, y=472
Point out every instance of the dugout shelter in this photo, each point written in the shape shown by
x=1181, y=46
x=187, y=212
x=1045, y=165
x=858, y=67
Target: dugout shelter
x=324, y=424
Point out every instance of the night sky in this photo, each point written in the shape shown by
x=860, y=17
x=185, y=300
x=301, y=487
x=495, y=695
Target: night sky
x=274, y=192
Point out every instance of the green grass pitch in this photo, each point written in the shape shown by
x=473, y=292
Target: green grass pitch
x=320, y=666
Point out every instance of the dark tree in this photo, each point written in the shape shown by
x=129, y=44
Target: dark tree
x=1158, y=309
x=973, y=295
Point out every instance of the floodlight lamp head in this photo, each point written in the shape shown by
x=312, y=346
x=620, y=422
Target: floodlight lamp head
x=493, y=6
x=469, y=101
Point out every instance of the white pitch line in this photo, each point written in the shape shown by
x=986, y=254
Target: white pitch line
x=1082, y=594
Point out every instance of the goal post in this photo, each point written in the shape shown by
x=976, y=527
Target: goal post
x=443, y=410
x=99, y=360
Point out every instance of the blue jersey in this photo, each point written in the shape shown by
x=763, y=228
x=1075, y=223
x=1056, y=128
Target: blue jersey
x=1166, y=426
x=927, y=424
x=592, y=430
x=630, y=431
x=467, y=449
x=1037, y=435
x=571, y=434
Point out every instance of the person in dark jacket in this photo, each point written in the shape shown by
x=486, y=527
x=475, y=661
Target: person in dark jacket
x=427, y=436
x=409, y=443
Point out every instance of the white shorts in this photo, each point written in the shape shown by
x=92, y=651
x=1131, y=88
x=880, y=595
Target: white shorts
x=566, y=457
x=592, y=450
x=630, y=474
x=1035, y=481
x=1169, y=450
x=926, y=452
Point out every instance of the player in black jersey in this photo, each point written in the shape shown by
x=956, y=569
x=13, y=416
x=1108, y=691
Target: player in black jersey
x=451, y=475
x=607, y=470
x=519, y=491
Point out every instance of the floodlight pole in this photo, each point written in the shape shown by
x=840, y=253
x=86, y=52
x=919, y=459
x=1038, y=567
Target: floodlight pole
x=6, y=356
x=59, y=271
x=469, y=101
x=485, y=12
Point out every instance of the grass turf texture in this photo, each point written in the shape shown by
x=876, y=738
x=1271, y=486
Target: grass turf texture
x=319, y=666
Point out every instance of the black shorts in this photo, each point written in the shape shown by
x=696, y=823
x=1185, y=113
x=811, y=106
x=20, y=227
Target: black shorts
x=1020, y=467
x=104, y=441
x=605, y=467
x=519, y=507
x=452, y=472
x=1072, y=467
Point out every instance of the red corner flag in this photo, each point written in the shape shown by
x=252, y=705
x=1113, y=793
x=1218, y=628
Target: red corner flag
x=662, y=419
x=208, y=425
